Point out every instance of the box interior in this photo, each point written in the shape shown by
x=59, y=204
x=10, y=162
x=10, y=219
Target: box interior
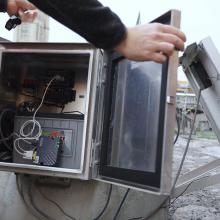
x=23, y=80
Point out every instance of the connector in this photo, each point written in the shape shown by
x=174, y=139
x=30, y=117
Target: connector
x=59, y=78
x=28, y=155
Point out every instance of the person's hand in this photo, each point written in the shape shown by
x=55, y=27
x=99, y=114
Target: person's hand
x=24, y=9
x=153, y=42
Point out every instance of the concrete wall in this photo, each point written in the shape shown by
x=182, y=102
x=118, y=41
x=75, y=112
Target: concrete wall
x=82, y=199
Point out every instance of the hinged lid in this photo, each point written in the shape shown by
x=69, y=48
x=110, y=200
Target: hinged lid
x=138, y=123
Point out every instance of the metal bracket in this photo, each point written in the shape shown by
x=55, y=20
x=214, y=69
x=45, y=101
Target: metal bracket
x=198, y=62
x=195, y=179
x=196, y=185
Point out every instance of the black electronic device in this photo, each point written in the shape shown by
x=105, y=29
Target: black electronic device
x=48, y=148
x=60, y=95
x=12, y=23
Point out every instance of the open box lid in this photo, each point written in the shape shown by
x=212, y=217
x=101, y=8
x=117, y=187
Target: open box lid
x=138, y=120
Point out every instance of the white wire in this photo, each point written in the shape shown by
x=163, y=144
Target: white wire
x=15, y=147
x=42, y=101
x=29, y=136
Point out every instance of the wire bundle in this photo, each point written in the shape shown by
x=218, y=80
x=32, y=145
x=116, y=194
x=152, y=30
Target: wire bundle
x=30, y=136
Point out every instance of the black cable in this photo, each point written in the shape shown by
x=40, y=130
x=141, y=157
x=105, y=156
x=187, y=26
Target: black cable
x=136, y=218
x=62, y=109
x=21, y=193
x=73, y=112
x=187, y=187
x=178, y=129
x=157, y=209
x=33, y=204
x=106, y=204
x=121, y=204
x=3, y=138
x=56, y=204
x=47, y=103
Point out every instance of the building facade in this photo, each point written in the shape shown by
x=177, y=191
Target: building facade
x=38, y=31
x=186, y=104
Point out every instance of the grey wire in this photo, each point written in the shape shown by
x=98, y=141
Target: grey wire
x=121, y=204
x=181, y=164
x=187, y=187
x=187, y=145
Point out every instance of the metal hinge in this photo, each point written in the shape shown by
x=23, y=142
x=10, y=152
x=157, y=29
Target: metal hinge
x=95, y=153
x=171, y=100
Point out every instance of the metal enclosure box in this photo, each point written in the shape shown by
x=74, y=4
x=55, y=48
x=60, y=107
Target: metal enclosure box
x=127, y=131
x=87, y=61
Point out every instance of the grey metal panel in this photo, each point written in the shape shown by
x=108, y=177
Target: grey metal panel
x=210, y=97
x=94, y=62
x=197, y=173
x=45, y=46
x=71, y=152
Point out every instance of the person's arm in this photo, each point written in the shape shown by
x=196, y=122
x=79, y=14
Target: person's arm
x=22, y=8
x=3, y=5
x=89, y=18
x=152, y=41
x=103, y=28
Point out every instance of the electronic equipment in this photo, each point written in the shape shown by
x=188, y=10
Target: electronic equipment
x=12, y=23
x=61, y=140
x=48, y=149
x=125, y=126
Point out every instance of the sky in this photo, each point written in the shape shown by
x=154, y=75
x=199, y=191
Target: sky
x=199, y=19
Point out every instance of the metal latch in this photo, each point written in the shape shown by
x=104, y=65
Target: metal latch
x=171, y=100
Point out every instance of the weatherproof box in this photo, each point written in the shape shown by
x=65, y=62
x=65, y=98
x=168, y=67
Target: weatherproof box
x=128, y=107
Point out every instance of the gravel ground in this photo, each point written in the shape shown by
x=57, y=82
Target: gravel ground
x=202, y=204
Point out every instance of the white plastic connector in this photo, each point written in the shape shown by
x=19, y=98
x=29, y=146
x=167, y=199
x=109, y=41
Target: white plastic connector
x=28, y=155
x=59, y=78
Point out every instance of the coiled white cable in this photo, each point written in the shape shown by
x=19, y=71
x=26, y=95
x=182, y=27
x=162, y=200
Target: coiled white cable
x=26, y=137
